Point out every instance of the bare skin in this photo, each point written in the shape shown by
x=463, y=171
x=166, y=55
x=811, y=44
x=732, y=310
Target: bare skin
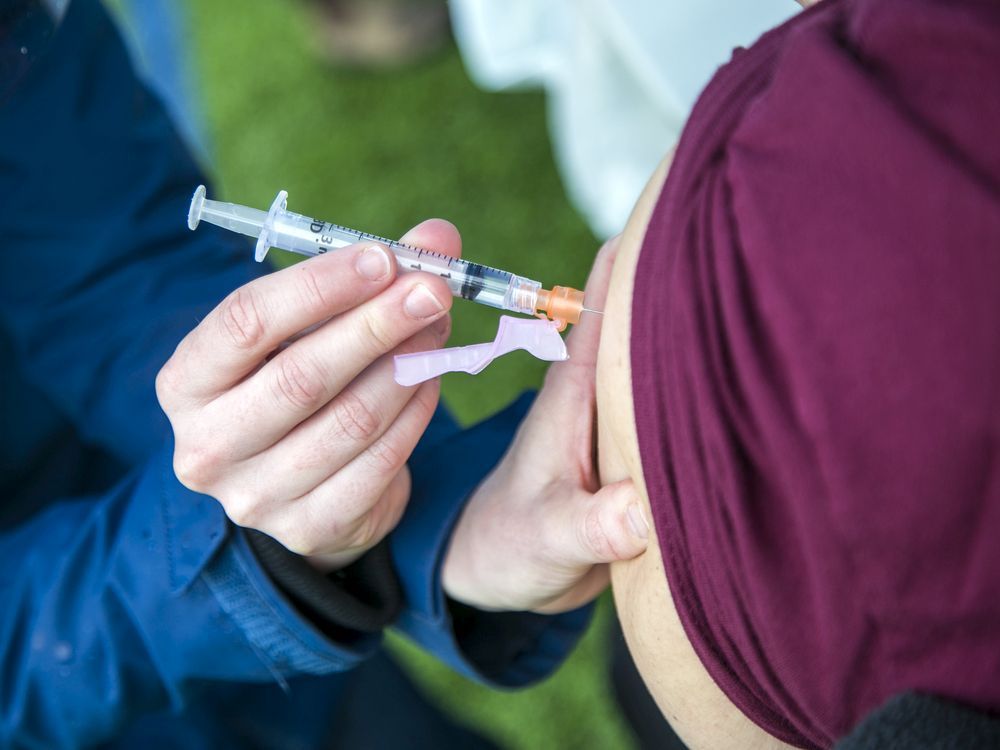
x=507, y=554
x=263, y=383
x=687, y=695
x=294, y=371
x=696, y=707
x=284, y=409
x=538, y=532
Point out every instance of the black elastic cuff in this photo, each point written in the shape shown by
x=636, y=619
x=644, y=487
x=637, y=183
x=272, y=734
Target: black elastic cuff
x=364, y=597
x=923, y=722
x=494, y=640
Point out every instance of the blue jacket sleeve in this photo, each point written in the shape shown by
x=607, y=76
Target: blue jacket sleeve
x=122, y=603
x=100, y=277
x=447, y=466
x=117, y=603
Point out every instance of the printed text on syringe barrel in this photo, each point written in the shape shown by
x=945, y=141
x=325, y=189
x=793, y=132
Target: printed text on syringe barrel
x=475, y=276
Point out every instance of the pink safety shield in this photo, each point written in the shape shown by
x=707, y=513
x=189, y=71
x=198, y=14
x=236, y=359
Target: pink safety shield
x=539, y=337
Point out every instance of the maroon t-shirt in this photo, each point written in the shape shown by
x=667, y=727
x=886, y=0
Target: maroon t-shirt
x=816, y=365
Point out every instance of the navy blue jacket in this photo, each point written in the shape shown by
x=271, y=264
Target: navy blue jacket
x=125, y=599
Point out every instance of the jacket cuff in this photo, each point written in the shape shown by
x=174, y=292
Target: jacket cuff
x=445, y=474
x=364, y=596
x=191, y=580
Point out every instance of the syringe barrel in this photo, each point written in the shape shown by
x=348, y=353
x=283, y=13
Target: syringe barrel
x=305, y=235
x=473, y=281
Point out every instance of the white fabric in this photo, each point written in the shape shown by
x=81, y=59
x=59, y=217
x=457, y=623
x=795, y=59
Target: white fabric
x=621, y=78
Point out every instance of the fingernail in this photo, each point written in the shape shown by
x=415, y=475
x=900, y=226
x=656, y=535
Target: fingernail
x=637, y=521
x=421, y=303
x=373, y=263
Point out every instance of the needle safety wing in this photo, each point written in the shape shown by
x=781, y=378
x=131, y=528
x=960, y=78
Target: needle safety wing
x=539, y=337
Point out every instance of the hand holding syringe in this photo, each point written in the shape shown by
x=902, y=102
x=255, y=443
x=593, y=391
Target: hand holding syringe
x=282, y=400
x=283, y=229
x=284, y=409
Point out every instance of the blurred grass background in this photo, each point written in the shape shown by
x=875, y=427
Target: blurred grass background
x=381, y=152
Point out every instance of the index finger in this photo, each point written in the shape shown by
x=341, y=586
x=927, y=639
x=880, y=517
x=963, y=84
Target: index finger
x=236, y=337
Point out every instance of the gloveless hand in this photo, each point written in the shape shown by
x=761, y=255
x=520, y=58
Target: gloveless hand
x=538, y=532
x=283, y=404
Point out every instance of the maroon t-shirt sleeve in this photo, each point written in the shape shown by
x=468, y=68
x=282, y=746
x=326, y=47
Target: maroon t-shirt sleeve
x=815, y=365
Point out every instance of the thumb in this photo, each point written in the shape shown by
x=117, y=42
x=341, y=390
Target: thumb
x=606, y=527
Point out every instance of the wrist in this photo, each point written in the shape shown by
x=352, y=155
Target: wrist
x=459, y=580
x=454, y=569
x=483, y=536
x=363, y=597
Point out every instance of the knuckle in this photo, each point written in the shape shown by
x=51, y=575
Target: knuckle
x=392, y=505
x=384, y=457
x=368, y=531
x=377, y=336
x=195, y=469
x=354, y=419
x=242, y=319
x=308, y=548
x=430, y=337
x=166, y=384
x=427, y=397
x=594, y=535
x=297, y=382
x=243, y=510
x=310, y=289
x=302, y=543
x=308, y=533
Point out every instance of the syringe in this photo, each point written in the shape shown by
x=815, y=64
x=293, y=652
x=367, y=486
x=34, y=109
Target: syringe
x=281, y=228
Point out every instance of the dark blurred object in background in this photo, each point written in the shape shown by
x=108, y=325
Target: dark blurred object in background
x=25, y=29
x=651, y=730
x=379, y=34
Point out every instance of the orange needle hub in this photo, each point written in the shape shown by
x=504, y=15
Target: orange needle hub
x=563, y=304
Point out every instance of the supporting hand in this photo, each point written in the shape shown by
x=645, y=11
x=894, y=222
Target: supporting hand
x=538, y=532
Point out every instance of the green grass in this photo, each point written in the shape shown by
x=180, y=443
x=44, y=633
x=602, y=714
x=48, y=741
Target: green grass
x=573, y=709
x=381, y=152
